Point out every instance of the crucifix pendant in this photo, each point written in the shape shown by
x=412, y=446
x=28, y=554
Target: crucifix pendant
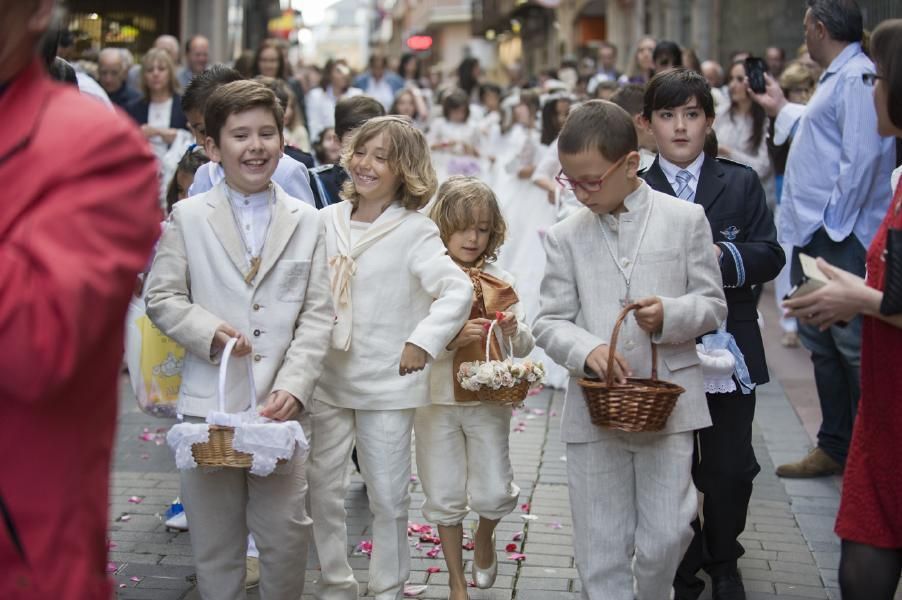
x=255, y=266
x=626, y=300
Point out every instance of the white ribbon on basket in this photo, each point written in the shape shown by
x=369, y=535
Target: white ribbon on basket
x=267, y=441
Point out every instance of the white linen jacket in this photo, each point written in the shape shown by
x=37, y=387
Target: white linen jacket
x=405, y=289
x=582, y=288
x=441, y=379
x=197, y=282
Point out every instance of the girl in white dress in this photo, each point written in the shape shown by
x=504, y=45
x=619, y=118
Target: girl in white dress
x=454, y=139
x=399, y=301
x=530, y=208
x=462, y=449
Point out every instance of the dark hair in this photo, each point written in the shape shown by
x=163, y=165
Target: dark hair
x=351, y=113
x=675, y=87
x=265, y=44
x=190, y=162
x=599, y=125
x=191, y=41
x=551, y=128
x=608, y=45
x=711, y=144
x=759, y=118
x=489, y=88
x=607, y=85
x=465, y=79
x=245, y=62
x=669, y=48
x=406, y=58
x=886, y=48
x=204, y=84
x=406, y=91
x=629, y=98
x=61, y=70
x=237, y=97
x=318, y=150
x=455, y=99
x=282, y=92
x=841, y=18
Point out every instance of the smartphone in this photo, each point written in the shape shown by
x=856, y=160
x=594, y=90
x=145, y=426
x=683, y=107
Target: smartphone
x=755, y=68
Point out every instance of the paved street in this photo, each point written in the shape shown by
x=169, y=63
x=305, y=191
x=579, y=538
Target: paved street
x=792, y=552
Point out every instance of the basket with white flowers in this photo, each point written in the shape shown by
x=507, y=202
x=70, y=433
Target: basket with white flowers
x=500, y=381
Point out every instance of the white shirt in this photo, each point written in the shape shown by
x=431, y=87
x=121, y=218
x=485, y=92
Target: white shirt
x=671, y=170
x=358, y=228
x=381, y=91
x=158, y=114
x=253, y=213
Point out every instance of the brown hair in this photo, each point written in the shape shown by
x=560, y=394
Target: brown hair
x=286, y=98
x=886, y=48
x=599, y=125
x=264, y=45
x=407, y=156
x=237, y=97
x=153, y=56
x=460, y=199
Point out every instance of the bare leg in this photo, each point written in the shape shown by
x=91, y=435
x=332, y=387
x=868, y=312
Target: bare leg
x=484, y=554
x=452, y=548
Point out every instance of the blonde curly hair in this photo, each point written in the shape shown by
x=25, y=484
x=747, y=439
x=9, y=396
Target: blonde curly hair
x=460, y=201
x=408, y=157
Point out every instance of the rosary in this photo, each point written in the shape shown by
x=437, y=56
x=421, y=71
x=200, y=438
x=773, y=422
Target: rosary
x=626, y=275
x=252, y=259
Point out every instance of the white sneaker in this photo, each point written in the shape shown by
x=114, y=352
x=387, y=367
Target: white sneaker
x=178, y=521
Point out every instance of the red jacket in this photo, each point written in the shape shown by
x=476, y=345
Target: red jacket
x=78, y=217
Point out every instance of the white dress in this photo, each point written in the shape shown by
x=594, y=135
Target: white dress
x=528, y=215
x=452, y=160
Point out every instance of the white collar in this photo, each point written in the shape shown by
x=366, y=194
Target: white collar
x=671, y=170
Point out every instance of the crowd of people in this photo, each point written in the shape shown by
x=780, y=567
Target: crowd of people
x=374, y=230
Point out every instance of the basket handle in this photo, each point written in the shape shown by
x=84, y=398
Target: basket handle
x=223, y=370
x=488, y=341
x=612, y=347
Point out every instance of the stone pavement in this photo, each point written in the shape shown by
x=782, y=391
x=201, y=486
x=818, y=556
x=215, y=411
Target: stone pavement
x=792, y=552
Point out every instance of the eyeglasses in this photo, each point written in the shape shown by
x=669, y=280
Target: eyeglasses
x=591, y=185
x=870, y=78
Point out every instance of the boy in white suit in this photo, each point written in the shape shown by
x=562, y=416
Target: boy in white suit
x=631, y=494
x=246, y=261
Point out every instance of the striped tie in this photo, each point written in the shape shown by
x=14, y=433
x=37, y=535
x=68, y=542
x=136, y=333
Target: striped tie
x=683, y=190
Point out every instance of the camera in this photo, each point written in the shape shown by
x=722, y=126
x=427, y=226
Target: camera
x=755, y=68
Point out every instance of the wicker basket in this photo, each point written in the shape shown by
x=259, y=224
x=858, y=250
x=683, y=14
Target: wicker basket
x=218, y=452
x=513, y=395
x=638, y=405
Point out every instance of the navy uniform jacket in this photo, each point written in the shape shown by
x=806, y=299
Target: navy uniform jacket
x=326, y=181
x=743, y=227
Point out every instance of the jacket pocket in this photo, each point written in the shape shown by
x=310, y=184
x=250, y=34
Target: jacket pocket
x=681, y=359
x=291, y=280
x=659, y=256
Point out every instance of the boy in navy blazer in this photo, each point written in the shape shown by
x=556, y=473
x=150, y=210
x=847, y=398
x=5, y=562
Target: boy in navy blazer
x=679, y=110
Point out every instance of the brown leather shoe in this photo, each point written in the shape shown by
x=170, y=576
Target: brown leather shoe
x=816, y=464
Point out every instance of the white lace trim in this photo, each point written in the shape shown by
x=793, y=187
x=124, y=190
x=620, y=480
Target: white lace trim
x=717, y=369
x=181, y=437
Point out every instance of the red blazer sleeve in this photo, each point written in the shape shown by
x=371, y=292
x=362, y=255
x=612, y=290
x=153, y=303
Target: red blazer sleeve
x=82, y=218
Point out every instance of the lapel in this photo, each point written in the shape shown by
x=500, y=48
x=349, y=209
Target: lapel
x=285, y=220
x=658, y=180
x=21, y=105
x=710, y=183
x=223, y=224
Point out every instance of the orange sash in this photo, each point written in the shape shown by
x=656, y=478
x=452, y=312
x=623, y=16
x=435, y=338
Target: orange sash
x=490, y=295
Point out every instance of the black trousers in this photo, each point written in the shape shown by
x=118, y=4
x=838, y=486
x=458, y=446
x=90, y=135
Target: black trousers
x=724, y=467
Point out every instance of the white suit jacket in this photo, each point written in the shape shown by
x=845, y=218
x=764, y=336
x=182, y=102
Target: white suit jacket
x=197, y=282
x=582, y=288
x=406, y=289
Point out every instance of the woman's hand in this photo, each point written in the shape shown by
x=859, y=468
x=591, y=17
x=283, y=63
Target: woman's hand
x=281, y=406
x=841, y=299
x=168, y=134
x=413, y=359
x=472, y=331
x=149, y=131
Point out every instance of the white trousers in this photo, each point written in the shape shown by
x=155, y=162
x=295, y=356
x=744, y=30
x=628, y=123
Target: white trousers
x=223, y=505
x=383, y=451
x=463, y=462
x=631, y=494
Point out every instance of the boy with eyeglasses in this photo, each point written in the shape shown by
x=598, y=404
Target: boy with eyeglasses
x=631, y=494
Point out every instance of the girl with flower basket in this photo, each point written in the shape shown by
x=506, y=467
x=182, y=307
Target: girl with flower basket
x=457, y=425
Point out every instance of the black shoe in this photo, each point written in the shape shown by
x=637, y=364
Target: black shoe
x=728, y=586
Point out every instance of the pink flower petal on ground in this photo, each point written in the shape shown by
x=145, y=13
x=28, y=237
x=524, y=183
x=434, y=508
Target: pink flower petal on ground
x=525, y=507
x=554, y=413
x=555, y=525
x=510, y=547
x=122, y=585
x=412, y=591
x=364, y=547
x=136, y=499
x=135, y=578
x=146, y=436
x=516, y=556
x=430, y=539
x=535, y=391
x=469, y=545
x=471, y=584
x=111, y=567
x=433, y=570
x=413, y=479
x=418, y=528
x=538, y=411
x=518, y=536
x=434, y=552
x=528, y=517
x=145, y=456
x=124, y=517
